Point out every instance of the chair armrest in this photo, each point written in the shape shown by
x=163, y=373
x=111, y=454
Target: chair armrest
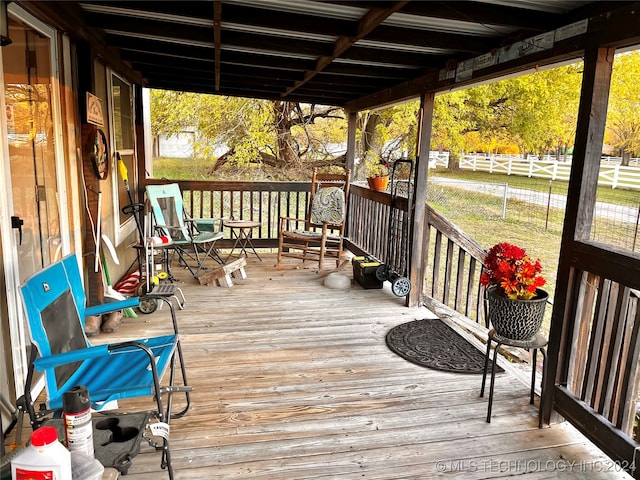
x=208, y=224
x=159, y=226
x=203, y=224
x=65, y=358
x=284, y=221
x=169, y=230
x=111, y=306
x=95, y=351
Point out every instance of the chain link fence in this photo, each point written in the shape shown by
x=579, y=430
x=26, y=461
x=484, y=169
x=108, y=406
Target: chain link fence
x=467, y=202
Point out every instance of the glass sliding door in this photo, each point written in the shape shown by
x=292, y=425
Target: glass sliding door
x=31, y=140
x=32, y=170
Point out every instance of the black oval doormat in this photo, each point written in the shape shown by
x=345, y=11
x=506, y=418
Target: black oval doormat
x=432, y=343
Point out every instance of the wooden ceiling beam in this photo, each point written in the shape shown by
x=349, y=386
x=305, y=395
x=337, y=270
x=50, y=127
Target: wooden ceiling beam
x=278, y=45
x=432, y=39
x=138, y=58
x=229, y=70
x=285, y=21
x=331, y=79
x=227, y=77
x=328, y=98
x=370, y=71
x=133, y=27
x=393, y=57
x=227, y=58
x=144, y=46
x=231, y=57
x=366, y=25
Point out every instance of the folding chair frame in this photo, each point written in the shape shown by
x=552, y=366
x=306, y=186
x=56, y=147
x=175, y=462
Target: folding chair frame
x=193, y=240
x=57, y=283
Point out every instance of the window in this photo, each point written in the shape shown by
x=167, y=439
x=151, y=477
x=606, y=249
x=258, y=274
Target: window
x=123, y=132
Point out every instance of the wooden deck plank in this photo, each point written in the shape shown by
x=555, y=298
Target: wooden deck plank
x=293, y=380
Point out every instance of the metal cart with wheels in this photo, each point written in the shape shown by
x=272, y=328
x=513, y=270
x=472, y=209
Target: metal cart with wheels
x=156, y=280
x=396, y=266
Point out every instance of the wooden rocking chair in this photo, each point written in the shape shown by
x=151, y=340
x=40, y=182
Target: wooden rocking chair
x=320, y=234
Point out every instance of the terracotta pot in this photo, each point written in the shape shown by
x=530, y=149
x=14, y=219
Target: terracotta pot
x=378, y=183
x=516, y=319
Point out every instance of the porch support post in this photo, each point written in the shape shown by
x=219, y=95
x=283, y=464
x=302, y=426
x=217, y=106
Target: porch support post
x=350, y=155
x=87, y=83
x=592, y=115
x=419, y=229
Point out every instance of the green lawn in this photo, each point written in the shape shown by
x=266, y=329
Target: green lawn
x=182, y=169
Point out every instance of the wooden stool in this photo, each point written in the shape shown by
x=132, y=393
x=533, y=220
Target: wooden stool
x=538, y=342
x=222, y=274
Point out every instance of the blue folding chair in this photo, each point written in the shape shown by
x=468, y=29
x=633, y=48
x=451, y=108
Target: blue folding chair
x=193, y=240
x=54, y=301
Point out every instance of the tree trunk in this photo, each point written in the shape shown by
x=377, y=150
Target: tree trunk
x=626, y=158
x=454, y=161
x=287, y=152
x=370, y=137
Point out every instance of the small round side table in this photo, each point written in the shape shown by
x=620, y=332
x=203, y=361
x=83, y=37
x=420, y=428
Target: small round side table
x=242, y=230
x=538, y=342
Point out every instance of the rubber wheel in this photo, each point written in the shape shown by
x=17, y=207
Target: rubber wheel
x=141, y=289
x=381, y=273
x=401, y=286
x=147, y=305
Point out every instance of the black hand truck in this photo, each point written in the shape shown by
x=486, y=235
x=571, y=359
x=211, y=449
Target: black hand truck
x=396, y=266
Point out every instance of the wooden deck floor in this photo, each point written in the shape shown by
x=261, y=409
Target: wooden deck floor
x=293, y=380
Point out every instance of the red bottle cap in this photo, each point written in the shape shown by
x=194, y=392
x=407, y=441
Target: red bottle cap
x=44, y=436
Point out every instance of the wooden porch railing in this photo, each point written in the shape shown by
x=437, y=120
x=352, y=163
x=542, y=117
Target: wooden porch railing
x=601, y=372
x=368, y=224
x=264, y=202
x=453, y=269
x=453, y=265
x=454, y=262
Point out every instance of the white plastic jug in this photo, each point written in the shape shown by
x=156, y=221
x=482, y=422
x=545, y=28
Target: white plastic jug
x=45, y=459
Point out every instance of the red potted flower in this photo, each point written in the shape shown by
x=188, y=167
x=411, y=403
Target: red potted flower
x=513, y=280
x=512, y=271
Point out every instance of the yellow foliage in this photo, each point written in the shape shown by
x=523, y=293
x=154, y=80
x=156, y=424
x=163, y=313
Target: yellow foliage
x=475, y=143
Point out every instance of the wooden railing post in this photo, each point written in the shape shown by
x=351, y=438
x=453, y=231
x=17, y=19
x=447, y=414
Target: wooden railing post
x=419, y=238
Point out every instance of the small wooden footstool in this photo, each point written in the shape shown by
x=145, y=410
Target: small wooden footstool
x=222, y=274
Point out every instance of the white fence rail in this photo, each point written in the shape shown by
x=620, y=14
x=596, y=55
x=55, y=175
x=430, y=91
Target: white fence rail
x=438, y=159
x=611, y=172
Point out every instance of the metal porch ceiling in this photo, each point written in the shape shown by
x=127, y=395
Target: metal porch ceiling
x=324, y=52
